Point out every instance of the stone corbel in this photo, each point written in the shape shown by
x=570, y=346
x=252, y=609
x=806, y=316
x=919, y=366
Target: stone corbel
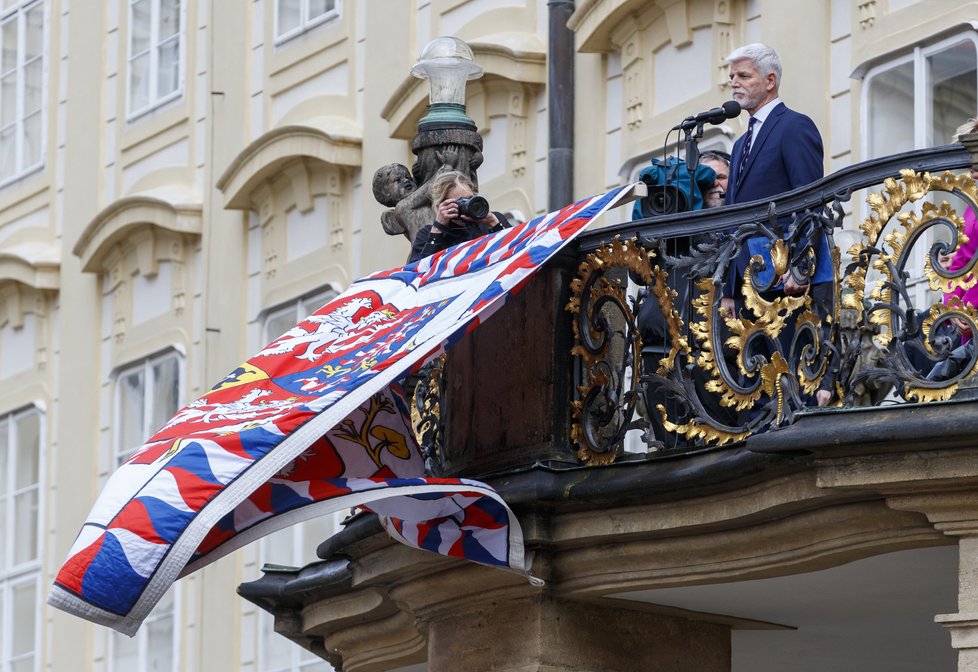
x=677, y=21
x=17, y=300
x=867, y=14
x=722, y=45
x=263, y=201
x=508, y=98
x=334, y=210
x=627, y=38
x=144, y=246
x=27, y=279
x=299, y=179
x=517, y=131
x=364, y=629
x=12, y=298
x=121, y=310
x=175, y=248
x=373, y=646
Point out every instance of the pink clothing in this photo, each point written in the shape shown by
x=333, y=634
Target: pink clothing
x=961, y=259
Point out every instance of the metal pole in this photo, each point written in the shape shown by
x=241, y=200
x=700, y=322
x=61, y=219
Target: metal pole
x=560, y=105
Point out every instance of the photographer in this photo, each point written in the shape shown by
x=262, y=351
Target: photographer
x=460, y=216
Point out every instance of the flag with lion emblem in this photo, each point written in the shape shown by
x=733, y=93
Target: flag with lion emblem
x=313, y=423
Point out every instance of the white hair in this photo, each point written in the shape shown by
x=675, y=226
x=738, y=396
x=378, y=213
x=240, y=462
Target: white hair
x=764, y=58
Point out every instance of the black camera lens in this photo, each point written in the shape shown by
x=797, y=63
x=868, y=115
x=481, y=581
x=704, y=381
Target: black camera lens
x=475, y=207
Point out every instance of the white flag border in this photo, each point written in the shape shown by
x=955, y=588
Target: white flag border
x=180, y=552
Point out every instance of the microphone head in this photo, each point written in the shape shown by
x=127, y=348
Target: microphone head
x=731, y=108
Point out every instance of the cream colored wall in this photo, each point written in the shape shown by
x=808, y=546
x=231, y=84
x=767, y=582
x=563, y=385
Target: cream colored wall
x=266, y=134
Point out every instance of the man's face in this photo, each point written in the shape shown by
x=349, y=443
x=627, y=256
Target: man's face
x=714, y=196
x=750, y=89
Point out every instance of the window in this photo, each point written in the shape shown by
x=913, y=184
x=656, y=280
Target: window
x=22, y=38
x=280, y=320
x=293, y=17
x=20, y=540
x=919, y=99
x=147, y=395
x=155, y=53
x=154, y=648
x=294, y=546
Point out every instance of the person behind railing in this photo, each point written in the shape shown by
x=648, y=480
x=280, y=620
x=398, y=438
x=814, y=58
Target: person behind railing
x=655, y=332
x=720, y=163
x=963, y=341
x=781, y=150
x=460, y=216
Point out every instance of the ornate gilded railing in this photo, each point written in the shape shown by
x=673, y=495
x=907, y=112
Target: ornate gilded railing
x=705, y=378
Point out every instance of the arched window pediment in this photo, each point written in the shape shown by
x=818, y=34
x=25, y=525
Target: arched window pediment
x=34, y=265
x=126, y=220
x=595, y=22
x=332, y=140
x=518, y=57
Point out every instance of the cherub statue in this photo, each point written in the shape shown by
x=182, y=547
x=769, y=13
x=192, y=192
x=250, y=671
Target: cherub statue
x=408, y=192
x=410, y=206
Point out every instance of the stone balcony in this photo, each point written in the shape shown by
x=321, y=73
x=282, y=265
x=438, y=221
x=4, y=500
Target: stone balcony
x=689, y=505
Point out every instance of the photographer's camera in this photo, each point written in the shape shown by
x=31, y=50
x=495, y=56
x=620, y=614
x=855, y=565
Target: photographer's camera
x=476, y=207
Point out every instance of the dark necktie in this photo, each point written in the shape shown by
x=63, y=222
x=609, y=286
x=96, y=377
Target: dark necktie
x=747, y=138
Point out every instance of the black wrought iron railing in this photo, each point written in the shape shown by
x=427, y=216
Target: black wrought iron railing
x=672, y=360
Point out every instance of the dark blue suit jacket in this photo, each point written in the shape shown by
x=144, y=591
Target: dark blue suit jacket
x=786, y=153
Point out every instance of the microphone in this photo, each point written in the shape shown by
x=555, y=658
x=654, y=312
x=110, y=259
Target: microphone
x=717, y=115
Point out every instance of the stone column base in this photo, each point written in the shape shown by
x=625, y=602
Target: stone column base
x=964, y=638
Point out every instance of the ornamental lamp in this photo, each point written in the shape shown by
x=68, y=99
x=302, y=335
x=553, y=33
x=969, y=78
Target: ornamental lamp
x=447, y=63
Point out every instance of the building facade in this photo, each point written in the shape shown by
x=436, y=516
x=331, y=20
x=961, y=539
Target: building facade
x=182, y=180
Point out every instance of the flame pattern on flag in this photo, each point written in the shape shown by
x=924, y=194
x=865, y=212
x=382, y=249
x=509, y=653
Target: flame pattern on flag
x=313, y=423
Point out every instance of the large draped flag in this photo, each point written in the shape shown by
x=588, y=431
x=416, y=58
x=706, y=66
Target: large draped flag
x=314, y=423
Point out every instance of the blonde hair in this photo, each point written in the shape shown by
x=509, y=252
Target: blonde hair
x=441, y=185
x=970, y=126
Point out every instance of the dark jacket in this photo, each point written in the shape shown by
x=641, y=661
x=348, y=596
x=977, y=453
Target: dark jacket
x=425, y=244
x=786, y=154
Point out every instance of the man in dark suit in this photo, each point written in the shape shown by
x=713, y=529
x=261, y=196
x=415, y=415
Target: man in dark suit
x=781, y=151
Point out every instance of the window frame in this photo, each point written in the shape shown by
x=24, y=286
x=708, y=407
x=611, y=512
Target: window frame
x=919, y=55
x=155, y=102
x=305, y=23
x=301, y=307
x=15, y=575
x=299, y=659
x=122, y=453
x=922, y=117
x=19, y=13
x=141, y=637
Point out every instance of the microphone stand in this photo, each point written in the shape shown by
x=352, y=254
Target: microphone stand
x=692, y=147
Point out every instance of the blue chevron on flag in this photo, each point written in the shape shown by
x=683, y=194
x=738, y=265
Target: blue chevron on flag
x=313, y=423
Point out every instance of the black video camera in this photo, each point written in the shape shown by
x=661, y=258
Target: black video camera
x=475, y=207
x=663, y=199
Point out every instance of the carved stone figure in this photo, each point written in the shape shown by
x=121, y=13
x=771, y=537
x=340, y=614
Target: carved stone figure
x=408, y=192
x=410, y=205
